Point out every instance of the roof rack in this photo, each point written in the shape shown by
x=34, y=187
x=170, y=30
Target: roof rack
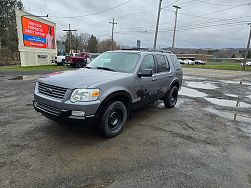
x=148, y=50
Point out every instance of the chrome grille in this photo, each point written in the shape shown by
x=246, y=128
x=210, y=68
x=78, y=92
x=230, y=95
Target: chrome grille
x=52, y=91
x=48, y=109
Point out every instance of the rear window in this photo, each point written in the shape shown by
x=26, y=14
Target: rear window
x=161, y=63
x=176, y=63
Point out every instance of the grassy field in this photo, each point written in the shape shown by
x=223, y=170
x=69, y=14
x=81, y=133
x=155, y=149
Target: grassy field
x=219, y=65
x=33, y=68
x=209, y=65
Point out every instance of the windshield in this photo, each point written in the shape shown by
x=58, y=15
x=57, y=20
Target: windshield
x=116, y=61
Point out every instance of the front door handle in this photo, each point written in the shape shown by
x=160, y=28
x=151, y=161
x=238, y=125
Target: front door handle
x=170, y=75
x=155, y=78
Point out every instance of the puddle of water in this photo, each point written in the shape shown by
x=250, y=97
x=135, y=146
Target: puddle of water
x=228, y=103
x=235, y=82
x=228, y=115
x=191, y=92
x=193, y=78
x=246, y=130
x=201, y=85
x=232, y=95
x=25, y=77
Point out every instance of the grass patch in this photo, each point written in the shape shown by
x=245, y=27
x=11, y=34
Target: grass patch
x=33, y=68
x=219, y=65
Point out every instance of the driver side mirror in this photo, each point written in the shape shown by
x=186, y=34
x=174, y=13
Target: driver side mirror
x=145, y=73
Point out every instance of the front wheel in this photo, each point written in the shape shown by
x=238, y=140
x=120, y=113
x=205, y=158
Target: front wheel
x=113, y=119
x=171, y=98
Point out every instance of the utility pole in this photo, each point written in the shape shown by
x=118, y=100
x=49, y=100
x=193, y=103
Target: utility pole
x=113, y=23
x=247, y=50
x=175, y=23
x=157, y=26
x=69, y=32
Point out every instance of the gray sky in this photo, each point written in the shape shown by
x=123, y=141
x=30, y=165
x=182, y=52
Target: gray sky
x=201, y=23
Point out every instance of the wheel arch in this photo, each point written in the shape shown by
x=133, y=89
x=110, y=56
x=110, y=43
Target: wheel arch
x=120, y=95
x=175, y=83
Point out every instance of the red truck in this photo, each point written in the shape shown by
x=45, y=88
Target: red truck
x=77, y=59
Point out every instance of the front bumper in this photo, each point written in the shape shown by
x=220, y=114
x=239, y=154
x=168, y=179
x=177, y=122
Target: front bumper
x=59, y=114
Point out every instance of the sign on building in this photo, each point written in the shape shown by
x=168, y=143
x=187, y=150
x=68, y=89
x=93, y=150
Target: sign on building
x=36, y=39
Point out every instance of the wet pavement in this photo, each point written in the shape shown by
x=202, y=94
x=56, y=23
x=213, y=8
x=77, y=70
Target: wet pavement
x=203, y=142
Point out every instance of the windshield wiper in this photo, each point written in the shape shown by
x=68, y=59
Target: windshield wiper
x=105, y=68
x=88, y=67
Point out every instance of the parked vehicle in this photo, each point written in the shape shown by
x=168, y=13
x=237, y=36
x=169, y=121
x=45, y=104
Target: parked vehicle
x=199, y=62
x=248, y=63
x=181, y=61
x=109, y=88
x=60, y=58
x=189, y=62
x=78, y=59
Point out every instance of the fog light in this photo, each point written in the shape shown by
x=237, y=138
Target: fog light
x=78, y=113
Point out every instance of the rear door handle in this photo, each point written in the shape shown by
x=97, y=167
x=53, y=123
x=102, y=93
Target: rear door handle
x=170, y=75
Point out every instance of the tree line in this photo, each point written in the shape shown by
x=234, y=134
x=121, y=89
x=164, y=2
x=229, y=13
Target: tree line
x=86, y=42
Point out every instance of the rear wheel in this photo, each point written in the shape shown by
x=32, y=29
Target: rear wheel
x=171, y=98
x=63, y=62
x=113, y=119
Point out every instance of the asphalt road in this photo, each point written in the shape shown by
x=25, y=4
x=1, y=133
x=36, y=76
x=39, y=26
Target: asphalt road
x=203, y=142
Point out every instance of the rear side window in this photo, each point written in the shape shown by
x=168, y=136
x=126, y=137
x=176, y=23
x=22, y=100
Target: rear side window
x=148, y=63
x=175, y=62
x=161, y=63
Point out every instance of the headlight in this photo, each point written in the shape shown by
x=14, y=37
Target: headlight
x=84, y=95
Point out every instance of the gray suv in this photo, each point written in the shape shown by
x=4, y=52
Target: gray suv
x=110, y=87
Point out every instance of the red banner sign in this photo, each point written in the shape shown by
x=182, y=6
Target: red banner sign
x=37, y=34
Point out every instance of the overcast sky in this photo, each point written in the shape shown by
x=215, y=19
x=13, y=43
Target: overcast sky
x=201, y=23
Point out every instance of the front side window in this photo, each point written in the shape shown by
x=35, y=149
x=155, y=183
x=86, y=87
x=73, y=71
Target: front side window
x=116, y=61
x=148, y=63
x=161, y=64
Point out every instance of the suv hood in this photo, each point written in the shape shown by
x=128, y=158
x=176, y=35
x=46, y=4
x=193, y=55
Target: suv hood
x=80, y=78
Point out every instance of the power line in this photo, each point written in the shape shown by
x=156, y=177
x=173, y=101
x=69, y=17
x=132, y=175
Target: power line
x=216, y=4
x=212, y=22
x=193, y=17
x=222, y=10
x=81, y=16
x=125, y=16
x=211, y=26
x=195, y=28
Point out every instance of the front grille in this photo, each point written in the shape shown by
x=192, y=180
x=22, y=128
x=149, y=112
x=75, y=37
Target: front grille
x=52, y=91
x=48, y=109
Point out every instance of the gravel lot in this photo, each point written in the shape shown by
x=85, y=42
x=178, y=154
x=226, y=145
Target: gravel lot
x=203, y=142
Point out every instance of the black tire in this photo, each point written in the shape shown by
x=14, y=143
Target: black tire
x=171, y=98
x=113, y=119
x=63, y=62
x=78, y=64
x=83, y=64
